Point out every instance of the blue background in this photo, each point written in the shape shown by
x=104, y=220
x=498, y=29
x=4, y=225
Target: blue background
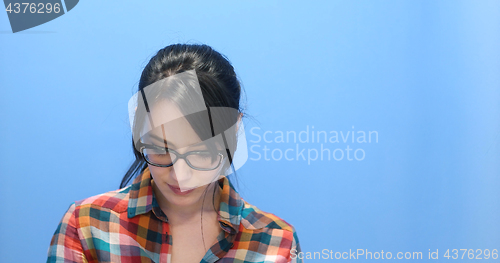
x=424, y=74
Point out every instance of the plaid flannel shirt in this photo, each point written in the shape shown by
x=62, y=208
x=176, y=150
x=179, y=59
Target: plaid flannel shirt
x=127, y=225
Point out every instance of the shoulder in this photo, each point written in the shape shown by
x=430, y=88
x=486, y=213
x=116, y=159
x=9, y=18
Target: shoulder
x=273, y=233
x=253, y=218
x=116, y=201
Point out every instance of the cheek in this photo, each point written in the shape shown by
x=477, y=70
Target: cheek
x=159, y=173
x=205, y=178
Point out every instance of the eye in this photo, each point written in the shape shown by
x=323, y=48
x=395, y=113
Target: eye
x=204, y=160
x=157, y=149
x=160, y=153
x=207, y=155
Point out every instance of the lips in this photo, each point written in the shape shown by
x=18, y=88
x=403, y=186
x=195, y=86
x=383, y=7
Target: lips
x=178, y=191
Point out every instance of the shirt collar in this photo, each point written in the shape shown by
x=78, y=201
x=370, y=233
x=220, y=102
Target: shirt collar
x=142, y=200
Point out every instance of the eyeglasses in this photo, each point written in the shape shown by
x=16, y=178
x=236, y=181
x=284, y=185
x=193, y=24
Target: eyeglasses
x=165, y=157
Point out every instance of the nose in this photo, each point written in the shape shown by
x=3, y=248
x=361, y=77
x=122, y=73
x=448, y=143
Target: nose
x=181, y=172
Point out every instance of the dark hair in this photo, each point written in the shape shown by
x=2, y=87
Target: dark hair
x=217, y=79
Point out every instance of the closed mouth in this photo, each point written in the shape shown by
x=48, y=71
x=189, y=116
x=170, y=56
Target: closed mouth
x=178, y=190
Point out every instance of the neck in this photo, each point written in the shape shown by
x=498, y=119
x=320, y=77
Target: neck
x=180, y=214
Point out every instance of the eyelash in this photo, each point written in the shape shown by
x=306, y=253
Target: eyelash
x=206, y=152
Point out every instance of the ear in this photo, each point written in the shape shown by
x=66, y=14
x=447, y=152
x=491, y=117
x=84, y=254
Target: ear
x=238, y=123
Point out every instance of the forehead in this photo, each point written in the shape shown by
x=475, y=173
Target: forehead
x=153, y=103
x=165, y=111
x=170, y=125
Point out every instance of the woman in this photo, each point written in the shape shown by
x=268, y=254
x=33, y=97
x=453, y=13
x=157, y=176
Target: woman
x=180, y=207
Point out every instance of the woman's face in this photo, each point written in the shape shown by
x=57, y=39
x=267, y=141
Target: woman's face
x=179, y=184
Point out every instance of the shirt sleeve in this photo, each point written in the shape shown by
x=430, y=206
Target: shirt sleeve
x=65, y=245
x=295, y=250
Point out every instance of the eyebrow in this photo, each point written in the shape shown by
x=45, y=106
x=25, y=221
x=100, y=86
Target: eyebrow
x=160, y=140
x=166, y=142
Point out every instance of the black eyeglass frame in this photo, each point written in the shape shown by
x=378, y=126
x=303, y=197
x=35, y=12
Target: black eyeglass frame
x=184, y=156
